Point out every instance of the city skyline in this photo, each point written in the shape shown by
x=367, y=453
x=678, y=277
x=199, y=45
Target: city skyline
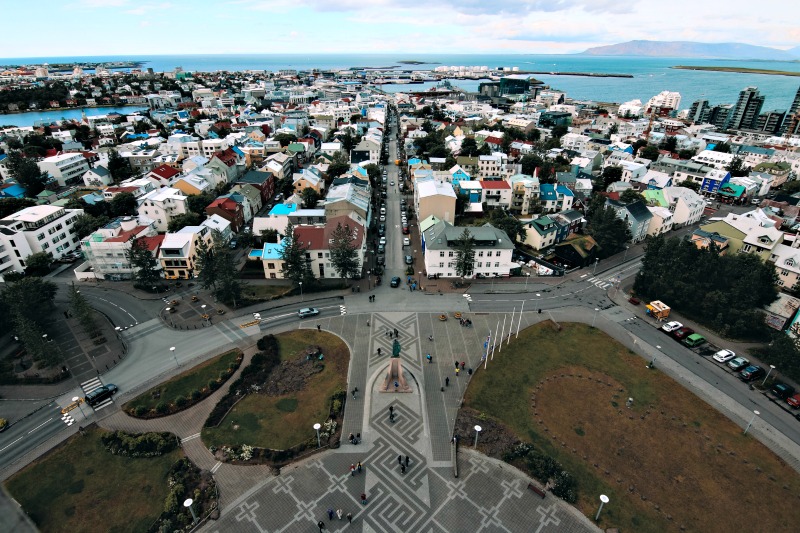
x=127, y=27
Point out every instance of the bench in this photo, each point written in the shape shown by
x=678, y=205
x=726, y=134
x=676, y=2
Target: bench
x=537, y=490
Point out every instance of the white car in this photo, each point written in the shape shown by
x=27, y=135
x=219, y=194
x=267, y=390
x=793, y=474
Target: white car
x=723, y=356
x=382, y=241
x=406, y=241
x=257, y=316
x=669, y=327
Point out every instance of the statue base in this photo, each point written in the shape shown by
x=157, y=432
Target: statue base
x=395, y=381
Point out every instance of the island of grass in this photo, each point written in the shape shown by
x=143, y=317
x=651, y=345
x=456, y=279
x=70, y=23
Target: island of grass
x=281, y=399
x=741, y=70
x=668, y=461
x=186, y=389
x=92, y=482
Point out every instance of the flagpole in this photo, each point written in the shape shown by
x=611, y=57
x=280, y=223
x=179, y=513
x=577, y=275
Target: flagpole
x=502, y=332
x=511, y=325
x=520, y=318
x=494, y=343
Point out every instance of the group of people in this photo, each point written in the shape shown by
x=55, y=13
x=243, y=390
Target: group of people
x=339, y=514
x=403, y=465
x=466, y=322
x=354, y=439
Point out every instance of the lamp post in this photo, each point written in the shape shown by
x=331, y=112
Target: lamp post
x=653, y=362
x=77, y=400
x=596, y=260
x=172, y=349
x=624, y=257
x=188, y=503
x=755, y=414
x=596, y=310
x=369, y=280
x=771, y=368
x=316, y=428
x=301, y=291
x=203, y=311
x=478, y=429
x=527, y=277
x=603, y=501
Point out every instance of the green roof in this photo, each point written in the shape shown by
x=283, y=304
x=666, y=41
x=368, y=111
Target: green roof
x=655, y=197
x=732, y=190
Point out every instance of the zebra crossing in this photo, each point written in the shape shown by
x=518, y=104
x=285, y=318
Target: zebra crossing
x=603, y=283
x=343, y=310
x=92, y=384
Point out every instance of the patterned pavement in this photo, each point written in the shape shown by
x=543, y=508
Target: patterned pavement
x=488, y=495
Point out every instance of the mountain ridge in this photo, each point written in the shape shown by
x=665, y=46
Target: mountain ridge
x=692, y=49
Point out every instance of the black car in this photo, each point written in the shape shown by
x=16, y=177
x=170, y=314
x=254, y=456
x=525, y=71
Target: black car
x=382, y=230
x=381, y=260
x=395, y=282
x=782, y=390
x=752, y=373
x=100, y=394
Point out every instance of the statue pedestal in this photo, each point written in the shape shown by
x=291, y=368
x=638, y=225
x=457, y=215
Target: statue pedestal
x=395, y=381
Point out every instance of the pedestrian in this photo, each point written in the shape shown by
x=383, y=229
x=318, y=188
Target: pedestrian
x=339, y=514
x=352, y=470
x=321, y=525
x=350, y=517
x=407, y=461
x=391, y=409
x=457, y=369
x=402, y=468
x=463, y=364
x=363, y=498
x=456, y=364
x=367, y=323
x=330, y=514
x=359, y=467
x=469, y=371
x=319, y=327
x=391, y=418
x=379, y=351
x=446, y=382
x=351, y=438
x=429, y=358
x=395, y=333
x=400, y=459
x=358, y=438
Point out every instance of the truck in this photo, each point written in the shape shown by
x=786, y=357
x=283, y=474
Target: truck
x=658, y=310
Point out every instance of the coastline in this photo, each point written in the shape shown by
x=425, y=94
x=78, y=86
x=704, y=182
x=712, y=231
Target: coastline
x=51, y=109
x=740, y=70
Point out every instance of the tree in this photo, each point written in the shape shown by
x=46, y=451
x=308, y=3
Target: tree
x=507, y=223
x=465, y=254
x=144, y=265
x=629, y=196
x=38, y=264
x=217, y=270
x=206, y=266
x=83, y=312
x=183, y=220
x=791, y=187
x=310, y=197
x=484, y=150
x=338, y=165
x=344, y=252
x=649, y=152
x=293, y=254
x=724, y=148
x=9, y=206
x=686, y=154
x=530, y=162
x=197, y=203
x=609, y=231
x=285, y=139
x=610, y=175
x=558, y=131
x=669, y=143
x=534, y=135
x=85, y=225
x=469, y=147
x=123, y=204
x=27, y=174
x=690, y=184
x=118, y=167
x=737, y=167
x=29, y=297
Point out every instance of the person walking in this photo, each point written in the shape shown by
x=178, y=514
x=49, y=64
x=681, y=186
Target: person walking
x=457, y=370
x=319, y=327
x=379, y=351
x=363, y=498
x=429, y=358
x=400, y=460
x=402, y=468
x=456, y=364
x=330, y=514
x=463, y=364
x=447, y=382
x=321, y=526
x=352, y=470
x=339, y=514
x=358, y=467
x=391, y=409
x=395, y=333
x=350, y=517
x=407, y=461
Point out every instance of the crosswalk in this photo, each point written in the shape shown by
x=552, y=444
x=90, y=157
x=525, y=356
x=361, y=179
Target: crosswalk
x=603, y=282
x=468, y=297
x=92, y=384
x=343, y=309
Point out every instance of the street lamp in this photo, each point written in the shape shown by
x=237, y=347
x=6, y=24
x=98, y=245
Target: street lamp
x=77, y=401
x=596, y=260
x=477, y=431
x=188, y=503
x=771, y=368
x=316, y=428
x=603, y=501
x=369, y=279
x=172, y=349
x=653, y=362
x=624, y=257
x=596, y=310
x=527, y=277
x=301, y=291
x=755, y=414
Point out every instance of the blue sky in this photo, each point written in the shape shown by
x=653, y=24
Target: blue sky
x=140, y=27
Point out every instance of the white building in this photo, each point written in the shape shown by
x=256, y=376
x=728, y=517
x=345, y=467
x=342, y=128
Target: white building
x=717, y=160
x=41, y=228
x=686, y=205
x=162, y=205
x=107, y=249
x=669, y=99
x=66, y=169
x=661, y=222
x=493, y=249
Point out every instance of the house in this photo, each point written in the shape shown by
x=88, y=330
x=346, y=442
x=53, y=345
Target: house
x=263, y=181
x=162, y=176
x=787, y=265
x=779, y=314
x=540, y=233
x=277, y=219
x=490, y=165
x=524, y=193
x=713, y=181
x=280, y=164
x=661, y=222
x=555, y=198
x=493, y=250
x=350, y=198
x=654, y=179
x=40, y=228
x=228, y=164
x=578, y=251
x=686, y=205
x=436, y=198
x=107, y=249
x=162, y=205
x=718, y=160
x=193, y=183
x=98, y=177
x=231, y=208
x=762, y=241
x=703, y=239
x=571, y=219
x=220, y=225
x=636, y=215
x=178, y=252
x=318, y=239
x=308, y=178
x=66, y=169
x=253, y=201
x=496, y=193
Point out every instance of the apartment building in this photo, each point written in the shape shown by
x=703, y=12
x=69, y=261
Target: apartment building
x=178, y=253
x=66, y=169
x=107, y=249
x=162, y=205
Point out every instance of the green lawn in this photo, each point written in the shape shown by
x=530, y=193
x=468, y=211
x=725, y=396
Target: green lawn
x=674, y=449
x=194, y=379
x=265, y=292
x=80, y=487
x=280, y=422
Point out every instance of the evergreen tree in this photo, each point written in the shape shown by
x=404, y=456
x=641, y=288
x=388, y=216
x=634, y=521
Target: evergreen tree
x=344, y=252
x=465, y=254
x=118, y=167
x=143, y=265
x=27, y=174
x=608, y=230
x=293, y=254
x=83, y=312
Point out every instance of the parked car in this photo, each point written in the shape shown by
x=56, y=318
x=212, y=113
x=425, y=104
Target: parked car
x=782, y=391
x=382, y=241
x=738, y=363
x=382, y=230
x=257, y=316
x=307, y=311
x=723, y=356
x=383, y=218
x=751, y=373
x=381, y=260
x=682, y=333
x=694, y=340
x=409, y=260
x=671, y=326
x=794, y=401
x=406, y=241
x=395, y=282
x=381, y=248
x=405, y=229
x=100, y=394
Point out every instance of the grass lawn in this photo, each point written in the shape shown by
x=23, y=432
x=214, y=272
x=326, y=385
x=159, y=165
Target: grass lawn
x=265, y=292
x=195, y=378
x=668, y=461
x=80, y=485
x=280, y=422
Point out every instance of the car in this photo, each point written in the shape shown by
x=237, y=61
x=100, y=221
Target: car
x=307, y=311
x=782, y=391
x=383, y=218
x=395, y=282
x=391, y=183
x=409, y=260
x=383, y=194
x=682, y=333
x=382, y=230
x=381, y=248
x=383, y=210
x=406, y=241
x=257, y=316
x=671, y=326
x=382, y=241
x=794, y=401
x=723, y=356
x=100, y=394
x=381, y=260
x=738, y=363
x=232, y=244
x=694, y=340
x=405, y=230
x=752, y=373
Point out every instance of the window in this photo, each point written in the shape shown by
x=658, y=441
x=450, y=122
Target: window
x=271, y=266
x=40, y=237
x=497, y=265
x=480, y=264
x=441, y=254
x=480, y=254
x=45, y=246
x=784, y=272
x=319, y=255
x=451, y=254
x=441, y=265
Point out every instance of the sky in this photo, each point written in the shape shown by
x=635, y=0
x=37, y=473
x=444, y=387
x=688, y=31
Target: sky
x=59, y=28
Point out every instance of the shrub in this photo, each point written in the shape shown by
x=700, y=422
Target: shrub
x=180, y=401
x=140, y=410
x=196, y=394
x=139, y=445
x=162, y=408
x=213, y=384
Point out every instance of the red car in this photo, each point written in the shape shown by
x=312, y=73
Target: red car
x=794, y=401
x=682, y=333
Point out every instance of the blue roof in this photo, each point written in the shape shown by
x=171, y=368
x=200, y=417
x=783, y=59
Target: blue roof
x=14, y=190
x=272, y=250
x=283, y=209
x=236, y=150
x=548, y=192
x=3, y=156
x=564, y=190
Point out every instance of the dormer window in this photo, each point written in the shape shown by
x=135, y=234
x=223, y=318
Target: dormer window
x=789, y=262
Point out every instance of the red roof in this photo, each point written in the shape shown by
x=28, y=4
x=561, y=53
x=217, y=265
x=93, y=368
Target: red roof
x=311, y=237
x=227, y=156
x=226, y=203
x=119, y=189
x=153, y=243
x=493, y=140
x=165, y=172
x=495, y=185
x=125, y=236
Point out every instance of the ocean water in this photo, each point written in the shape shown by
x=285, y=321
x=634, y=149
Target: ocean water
x=650, y=75
x=33, y=118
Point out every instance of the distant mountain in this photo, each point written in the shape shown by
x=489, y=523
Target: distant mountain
x=693, y=49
